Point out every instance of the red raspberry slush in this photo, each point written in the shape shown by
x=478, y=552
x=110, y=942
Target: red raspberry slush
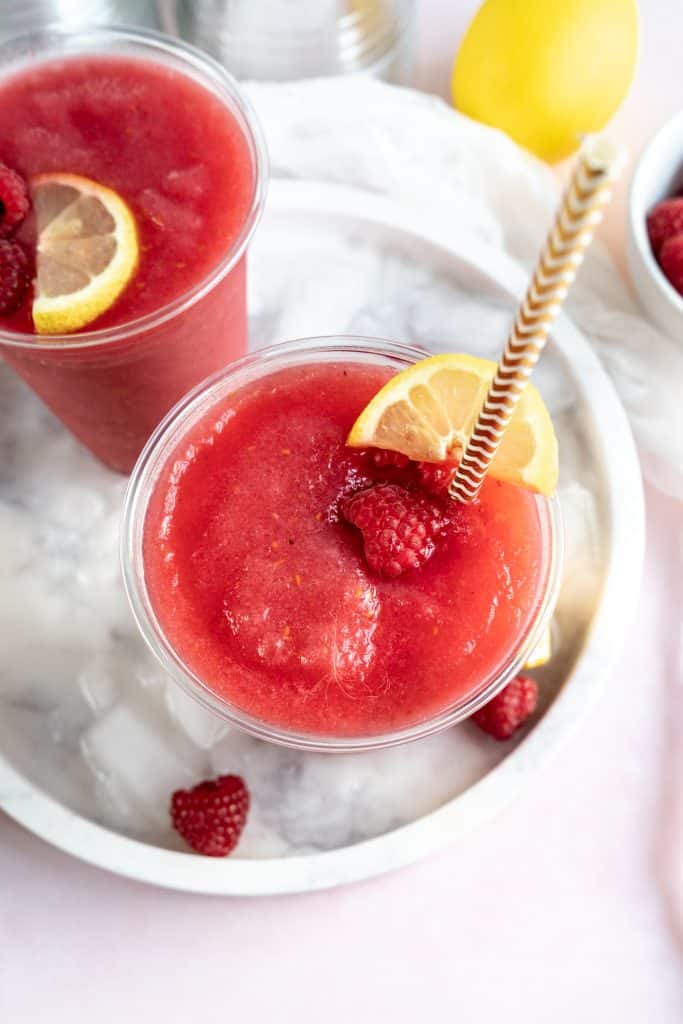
x=263, y=591
x=179, y=157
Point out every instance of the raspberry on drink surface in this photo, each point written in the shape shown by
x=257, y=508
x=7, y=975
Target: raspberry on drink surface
x=399, y=527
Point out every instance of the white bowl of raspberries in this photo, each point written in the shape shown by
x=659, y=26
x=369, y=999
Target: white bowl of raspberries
x=655, y=242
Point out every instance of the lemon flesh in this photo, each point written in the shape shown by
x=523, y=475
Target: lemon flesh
x=86, y=254
x=547, y=73
x=429, y=410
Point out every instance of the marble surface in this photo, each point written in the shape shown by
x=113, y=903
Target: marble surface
x=77, y=685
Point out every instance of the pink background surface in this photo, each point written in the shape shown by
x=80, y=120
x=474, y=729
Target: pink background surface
x=568, y=907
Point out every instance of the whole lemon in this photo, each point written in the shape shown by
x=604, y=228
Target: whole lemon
x=547, y=71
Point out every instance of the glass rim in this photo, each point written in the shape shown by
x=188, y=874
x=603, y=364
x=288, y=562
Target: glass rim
x=226, y=87
x=143, y=478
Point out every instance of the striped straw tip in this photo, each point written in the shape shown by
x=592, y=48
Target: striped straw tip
x=602, y=154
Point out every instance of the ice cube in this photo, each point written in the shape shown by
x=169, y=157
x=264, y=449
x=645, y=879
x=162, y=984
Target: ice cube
x=172, y=215
x=581, y=526
x=16, y=549
x=75, y=505
x=442, y=316
x=259, y=841
x=324, y=801
x=581, y=580
x=148, y=674
x=203, y=727
x=27, y=740
x=100, y=681
x=336, y=800
x=189, y=183
x=262, y=765
x=139, y=760
x=69, y=634
x=318, y=291
x=116, y=809
x=96, y=582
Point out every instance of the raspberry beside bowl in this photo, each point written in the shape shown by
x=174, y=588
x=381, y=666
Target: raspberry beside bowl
x=658, y=175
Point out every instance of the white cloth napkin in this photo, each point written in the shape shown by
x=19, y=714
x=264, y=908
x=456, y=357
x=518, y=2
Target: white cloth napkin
x=417, y=150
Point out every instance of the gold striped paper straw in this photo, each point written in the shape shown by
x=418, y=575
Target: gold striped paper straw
x=580, y=212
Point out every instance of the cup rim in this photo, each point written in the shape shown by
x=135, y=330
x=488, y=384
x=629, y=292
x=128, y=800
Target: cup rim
x=144, y=475
x=228, y=90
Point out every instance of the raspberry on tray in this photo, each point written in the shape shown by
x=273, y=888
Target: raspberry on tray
x=509, y=709
x=211, y=816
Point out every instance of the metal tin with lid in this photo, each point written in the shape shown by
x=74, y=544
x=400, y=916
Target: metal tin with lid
x=280, y=40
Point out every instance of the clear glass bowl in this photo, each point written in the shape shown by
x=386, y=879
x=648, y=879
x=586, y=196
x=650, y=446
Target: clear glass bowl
x=155, y=455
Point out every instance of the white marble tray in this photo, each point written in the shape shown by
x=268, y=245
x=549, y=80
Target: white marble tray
x=91, y=738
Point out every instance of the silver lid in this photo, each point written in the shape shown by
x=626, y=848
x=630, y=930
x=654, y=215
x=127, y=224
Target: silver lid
x=287, y=39
x=20, y=16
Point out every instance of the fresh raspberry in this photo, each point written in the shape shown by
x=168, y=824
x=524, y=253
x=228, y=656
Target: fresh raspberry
x=664, y=221
x=509, y=709
x=385, y=457
x=14, y=275
x=436, y=477
x=398, y=527
x=211, y=816
x=14, y=201
x=671, y=261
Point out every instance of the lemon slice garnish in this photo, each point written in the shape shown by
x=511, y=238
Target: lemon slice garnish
x=87, y=251
x=427, y=412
